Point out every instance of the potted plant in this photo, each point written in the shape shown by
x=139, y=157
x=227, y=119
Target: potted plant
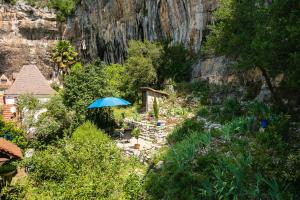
x=136, y=133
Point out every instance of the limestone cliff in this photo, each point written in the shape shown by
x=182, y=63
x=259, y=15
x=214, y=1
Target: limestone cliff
x=26, y=35
x=102, y=28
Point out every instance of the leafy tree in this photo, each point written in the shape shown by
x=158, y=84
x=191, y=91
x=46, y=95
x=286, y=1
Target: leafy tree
x=116, y=77
x=28, y=101
x=53, y=124
x=176, y=63
x=141, y=66
x=259, y=34
x=87, y=166
x=84, y=85
x=64, y=56
x=53, y=119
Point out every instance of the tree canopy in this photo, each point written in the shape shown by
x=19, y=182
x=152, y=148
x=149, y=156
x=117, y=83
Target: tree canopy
x=87, y=166
x=259, y=34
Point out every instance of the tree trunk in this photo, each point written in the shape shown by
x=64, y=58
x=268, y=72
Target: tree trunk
x=269, y=84
x=276, y=99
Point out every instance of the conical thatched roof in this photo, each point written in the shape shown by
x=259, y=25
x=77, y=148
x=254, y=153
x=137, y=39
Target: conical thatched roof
x=30, y=81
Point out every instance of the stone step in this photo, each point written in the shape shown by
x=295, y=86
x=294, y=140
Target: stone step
x=6, y=112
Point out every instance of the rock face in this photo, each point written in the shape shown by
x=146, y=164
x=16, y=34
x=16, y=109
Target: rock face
x=102, y=28
x=214, y=70
x=26, y=35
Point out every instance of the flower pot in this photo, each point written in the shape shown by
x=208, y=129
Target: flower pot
x=158, y=123
x=137, y=146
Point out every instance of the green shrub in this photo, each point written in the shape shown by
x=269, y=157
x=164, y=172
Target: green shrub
x=7, y=168
x=185, y=130
x=83, y=86
x=64, y=56
x=87, y=166
x=53, y=124
x=232, y=108
x=203, y=112
x=10, y=131
x=233, y=163
x=177, y=180
x=29, y=102
x=176, y=63
x=141, y=67
x=155, y=109
x=258, y=109
x=241, y=126
x=136, y=133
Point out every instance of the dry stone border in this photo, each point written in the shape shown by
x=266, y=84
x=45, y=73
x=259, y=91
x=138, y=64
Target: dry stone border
x=152, y=138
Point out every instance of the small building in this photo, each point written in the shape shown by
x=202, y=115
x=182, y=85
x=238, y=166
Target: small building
x=148, y=96
x=28, y=81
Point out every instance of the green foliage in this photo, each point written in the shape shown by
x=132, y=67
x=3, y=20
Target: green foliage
x=233, y=162
x=204, y=166
x=7, y=168
x=115, y=75
x=131, y=112
x=136, y=133
x=28, y=101
x=259, y=34
x=50, y=124
x=13, y=2
x=203, y=111
x=258, y=109
x=141, y=66
x=64, y=56
x=177, y=179
x=155, y=109
x=176, y=63
x=10, y=131
x=185, y=130
x=63, y=8
x=55, y=86
x=86, y=166
x=84, y=85
x=239, y=125
x=232, y=108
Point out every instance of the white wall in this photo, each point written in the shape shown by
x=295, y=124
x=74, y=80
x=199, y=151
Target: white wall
x=10, y=100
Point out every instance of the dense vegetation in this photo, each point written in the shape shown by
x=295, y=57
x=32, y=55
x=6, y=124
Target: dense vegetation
x=87, y=165
x=84, y=84
x=260, y=34
x=237, y=161
x=9, y=131
x=233, y=148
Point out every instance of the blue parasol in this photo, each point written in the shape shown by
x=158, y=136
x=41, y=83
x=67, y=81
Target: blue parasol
x=108, y=102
